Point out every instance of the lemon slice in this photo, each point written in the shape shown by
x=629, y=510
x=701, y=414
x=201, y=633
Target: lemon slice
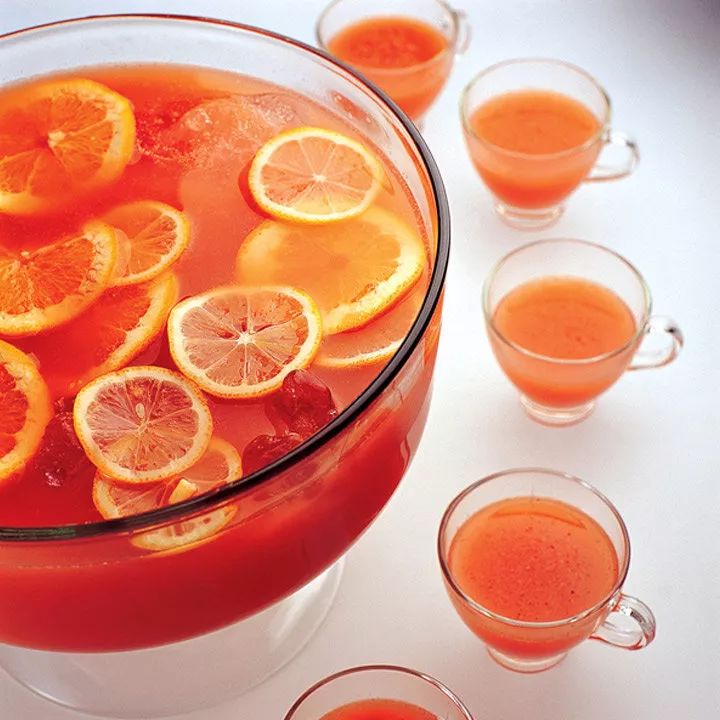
x=240, y=342
x=142, y=424
x=313, y=175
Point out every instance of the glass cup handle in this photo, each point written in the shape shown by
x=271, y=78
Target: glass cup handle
x=618, y=634
x=464, y=31
x=645, y=359
x=600, y=172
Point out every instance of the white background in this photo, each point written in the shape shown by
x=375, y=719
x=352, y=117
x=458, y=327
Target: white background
x=652, y=445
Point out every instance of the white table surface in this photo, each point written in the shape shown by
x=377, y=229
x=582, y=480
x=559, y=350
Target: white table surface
x=652, y=445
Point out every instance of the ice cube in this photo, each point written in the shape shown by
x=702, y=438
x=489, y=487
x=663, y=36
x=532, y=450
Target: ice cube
x=153, y=123
x=226, y=130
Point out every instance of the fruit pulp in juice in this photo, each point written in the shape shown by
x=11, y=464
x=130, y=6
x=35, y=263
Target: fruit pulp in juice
x=563, y=318
x=535, y=146
x=406, y=57
x=196, y=134
x=535, y=560
x=377, y=709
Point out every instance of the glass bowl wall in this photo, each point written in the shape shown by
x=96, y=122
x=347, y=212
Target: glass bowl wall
x=88, y=588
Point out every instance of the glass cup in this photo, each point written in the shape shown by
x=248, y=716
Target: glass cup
x=560, y=391
x=386, y=682
x=530, y=189
x=618, y=619
x=415, y=87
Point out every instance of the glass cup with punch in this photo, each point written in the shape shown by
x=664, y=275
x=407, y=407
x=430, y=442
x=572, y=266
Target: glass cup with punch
x=406, y=47
x=534, y=129
x=534, y=562
x=566, y=318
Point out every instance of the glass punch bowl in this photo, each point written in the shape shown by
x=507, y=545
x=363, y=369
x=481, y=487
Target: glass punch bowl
x=202, y=625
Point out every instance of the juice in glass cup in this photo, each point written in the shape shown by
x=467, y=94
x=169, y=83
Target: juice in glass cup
x=394, y=44
x=388, y=42
x=534, y=123
x=567, y=318
x=534, y=559
x=199, y=271
x=378, y=692
x=376, y=709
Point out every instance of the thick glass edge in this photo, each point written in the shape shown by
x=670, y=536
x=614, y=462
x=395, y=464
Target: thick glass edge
x=454, y=586
x=639, y=332
x=352, y=411
x=359, y=669
x=599, y=134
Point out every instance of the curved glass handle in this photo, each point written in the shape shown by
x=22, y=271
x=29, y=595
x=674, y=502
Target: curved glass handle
x=464, y=32
x=645, y=359
x=619, y=632
x=601, y=172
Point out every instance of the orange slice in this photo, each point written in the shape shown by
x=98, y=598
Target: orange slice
x=43, y=288
x=156, y=235
x=353, y=270
x=375, y=342
x=240, y=342
x=312, y=175
x=219, y=465
x=122, y=323
x=26, y=409
x=142, y=424
x=61, y=137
